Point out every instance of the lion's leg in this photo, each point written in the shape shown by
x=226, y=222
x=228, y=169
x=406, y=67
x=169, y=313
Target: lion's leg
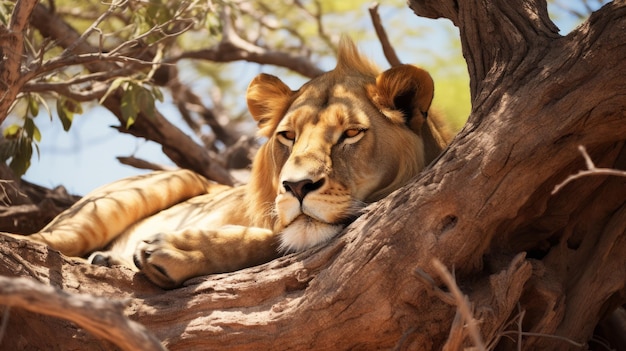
x=168, y=259
x=103, y=214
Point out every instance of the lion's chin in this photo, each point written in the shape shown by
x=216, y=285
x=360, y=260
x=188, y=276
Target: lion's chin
x=305, y=232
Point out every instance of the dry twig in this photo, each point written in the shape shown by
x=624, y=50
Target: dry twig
x=462, y=303
x=591, y=170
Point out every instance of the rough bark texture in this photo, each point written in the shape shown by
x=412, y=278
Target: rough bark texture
x=539, y=269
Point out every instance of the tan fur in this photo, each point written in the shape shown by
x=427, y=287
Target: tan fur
x=345, y=139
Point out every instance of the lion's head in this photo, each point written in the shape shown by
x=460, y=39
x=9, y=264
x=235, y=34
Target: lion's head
x=346, y=138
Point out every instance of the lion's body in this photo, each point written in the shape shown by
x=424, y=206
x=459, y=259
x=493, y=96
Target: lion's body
x=345, y=139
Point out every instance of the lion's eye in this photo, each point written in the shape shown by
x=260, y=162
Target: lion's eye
x=352, y=135
x=287, y=137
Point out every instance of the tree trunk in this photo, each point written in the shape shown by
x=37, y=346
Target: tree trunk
x=540, y=270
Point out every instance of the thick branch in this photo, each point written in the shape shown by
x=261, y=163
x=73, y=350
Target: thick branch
x=496, y=36
x=11, y=50
x=228, y=51
x=436, y=9
x=101, y=316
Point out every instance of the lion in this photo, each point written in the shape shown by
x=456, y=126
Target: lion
x=345, y=139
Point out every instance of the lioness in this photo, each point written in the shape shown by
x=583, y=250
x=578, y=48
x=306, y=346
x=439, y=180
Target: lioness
x=346, y=138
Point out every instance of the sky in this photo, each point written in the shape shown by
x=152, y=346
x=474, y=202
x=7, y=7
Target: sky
x=85, y=157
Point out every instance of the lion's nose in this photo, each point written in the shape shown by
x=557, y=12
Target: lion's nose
x=301, y=188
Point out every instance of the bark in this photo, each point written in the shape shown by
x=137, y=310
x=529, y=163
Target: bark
x=539, y=270
x=11, y=49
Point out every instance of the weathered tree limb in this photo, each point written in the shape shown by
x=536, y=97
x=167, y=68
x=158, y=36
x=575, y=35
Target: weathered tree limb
x=11, y=49
x=101, y=316
x=228, y=51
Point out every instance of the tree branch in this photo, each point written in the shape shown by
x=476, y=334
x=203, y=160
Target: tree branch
x=507, y=36
x=142, y=164
x=102, y=316
x=233, y=47
x=228, y=51
x=11, y=50
x=388, y=49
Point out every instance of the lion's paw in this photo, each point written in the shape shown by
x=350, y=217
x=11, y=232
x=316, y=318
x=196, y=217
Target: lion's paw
x=163, y=262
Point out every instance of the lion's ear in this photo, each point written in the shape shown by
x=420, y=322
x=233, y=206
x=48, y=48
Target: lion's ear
x=268, y=98
x=404, y=94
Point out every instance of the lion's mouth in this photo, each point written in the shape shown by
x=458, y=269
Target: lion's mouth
x=308, y=219
x=306, y=231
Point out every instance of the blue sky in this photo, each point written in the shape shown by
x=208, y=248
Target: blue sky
x=84, y=158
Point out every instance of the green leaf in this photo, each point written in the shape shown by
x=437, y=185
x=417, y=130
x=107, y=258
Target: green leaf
x=145, y=102
x=20, y=161
x=36, y=134
x=11, y=131
x=66, y=116
x=157, y=93
x=29, y=127
x=129, y=107
x=37, y=149
x=114, y=85
x=33, y=105
x=72, y=106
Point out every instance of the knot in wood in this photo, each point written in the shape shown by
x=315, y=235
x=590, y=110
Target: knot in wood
x=302, y=275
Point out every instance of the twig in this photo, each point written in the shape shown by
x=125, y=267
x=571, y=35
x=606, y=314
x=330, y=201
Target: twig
x=433, y=289
x=591, y=170
x=317, y=16
x=518, y=333
x=462, y=303
x=388, y=49
x=4, y=322
x=93, y=27
x=101, y=316
x=550, y=336
x=155, y=29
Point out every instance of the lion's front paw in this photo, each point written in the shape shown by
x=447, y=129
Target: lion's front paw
x=165, y=264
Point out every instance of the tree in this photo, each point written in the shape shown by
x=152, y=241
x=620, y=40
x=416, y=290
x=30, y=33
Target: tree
x=540, y=268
